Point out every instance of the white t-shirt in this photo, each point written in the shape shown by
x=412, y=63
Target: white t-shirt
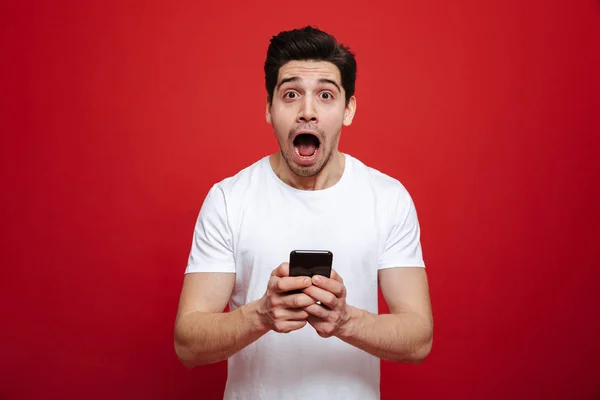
x=248, y=225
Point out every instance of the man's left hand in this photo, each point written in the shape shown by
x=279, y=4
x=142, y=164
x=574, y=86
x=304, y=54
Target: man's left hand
x=328, y=317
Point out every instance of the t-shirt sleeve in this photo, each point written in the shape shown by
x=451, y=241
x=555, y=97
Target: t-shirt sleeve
x=403, y=242
x=212, y=250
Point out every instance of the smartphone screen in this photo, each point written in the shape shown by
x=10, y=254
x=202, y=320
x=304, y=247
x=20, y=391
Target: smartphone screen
x=311, y=262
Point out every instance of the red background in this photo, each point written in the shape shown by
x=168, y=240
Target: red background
x=117, y=117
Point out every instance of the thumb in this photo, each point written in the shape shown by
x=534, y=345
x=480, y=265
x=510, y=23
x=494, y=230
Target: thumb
x=336, y=276
x=282, y=271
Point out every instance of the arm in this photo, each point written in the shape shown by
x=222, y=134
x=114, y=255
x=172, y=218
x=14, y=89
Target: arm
x=404, y=335
x=204, y=334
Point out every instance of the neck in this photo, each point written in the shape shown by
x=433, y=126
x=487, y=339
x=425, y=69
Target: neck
x=330, y=174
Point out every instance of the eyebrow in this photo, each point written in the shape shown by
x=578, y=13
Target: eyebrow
x=321, y=80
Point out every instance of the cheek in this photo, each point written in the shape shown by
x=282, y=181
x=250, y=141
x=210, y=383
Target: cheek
x=278, y=116
x=332, y=124
x=281, y=127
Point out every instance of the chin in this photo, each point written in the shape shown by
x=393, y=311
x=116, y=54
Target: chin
x=306, y=172
x=313, y=169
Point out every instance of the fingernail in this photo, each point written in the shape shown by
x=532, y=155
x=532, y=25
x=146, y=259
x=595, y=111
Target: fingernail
x=307, y=281
x=317, y=279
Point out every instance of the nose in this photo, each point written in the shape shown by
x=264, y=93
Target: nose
x=307, y=112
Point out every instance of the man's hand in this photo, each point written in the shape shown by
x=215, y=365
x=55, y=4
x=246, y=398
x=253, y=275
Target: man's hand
x=328, y=317
x=279, y=310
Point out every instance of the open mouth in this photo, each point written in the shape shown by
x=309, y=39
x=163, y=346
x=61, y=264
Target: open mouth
x=306, y=145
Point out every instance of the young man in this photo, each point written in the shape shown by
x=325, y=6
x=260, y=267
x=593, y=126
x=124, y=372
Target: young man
x=325, y=341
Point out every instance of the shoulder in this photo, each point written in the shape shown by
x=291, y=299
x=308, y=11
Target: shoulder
x=238, y=185
x=231, y=192
x=383, y=185
x=225, y=197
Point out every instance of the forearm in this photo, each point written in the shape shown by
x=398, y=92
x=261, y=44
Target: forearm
x=205, y=338
x=405, y=337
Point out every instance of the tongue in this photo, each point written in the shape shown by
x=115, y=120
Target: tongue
x=306, y=149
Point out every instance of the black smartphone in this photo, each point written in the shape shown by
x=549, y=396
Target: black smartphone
x=311, y=262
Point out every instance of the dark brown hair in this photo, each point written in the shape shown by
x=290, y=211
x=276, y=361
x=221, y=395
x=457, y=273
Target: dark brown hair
x=309, y=43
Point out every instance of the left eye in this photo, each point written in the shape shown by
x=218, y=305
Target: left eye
x=326, y=96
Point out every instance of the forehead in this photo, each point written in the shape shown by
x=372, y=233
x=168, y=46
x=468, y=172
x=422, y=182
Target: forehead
x=309, y=70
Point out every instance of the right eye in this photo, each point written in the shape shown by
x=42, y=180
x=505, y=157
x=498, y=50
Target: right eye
x=290, y=95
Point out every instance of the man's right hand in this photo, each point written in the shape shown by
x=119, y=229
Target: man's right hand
x=279, y=310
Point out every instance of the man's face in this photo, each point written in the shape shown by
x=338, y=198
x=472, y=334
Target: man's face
x=307, y=114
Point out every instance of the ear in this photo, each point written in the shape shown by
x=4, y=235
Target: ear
x=268, y=111
x=349, y=111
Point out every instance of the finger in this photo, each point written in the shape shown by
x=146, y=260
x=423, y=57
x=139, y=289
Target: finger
x=316, y=310
x=299, y=300
x=290, y=314
x=288, y=326
x=282, y=271
x=336, y=276
x=292, y=283
x=325, y=297
x=331, y=285
x=322, y=328
x=317, y=323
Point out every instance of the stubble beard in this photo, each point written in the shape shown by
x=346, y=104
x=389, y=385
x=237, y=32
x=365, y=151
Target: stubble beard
x=313, y=170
